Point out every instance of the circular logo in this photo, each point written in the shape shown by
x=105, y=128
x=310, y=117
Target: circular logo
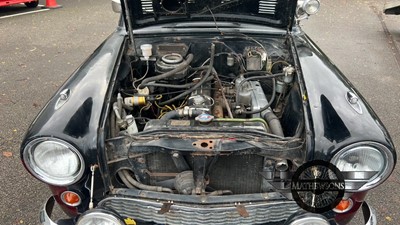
x=317, y=186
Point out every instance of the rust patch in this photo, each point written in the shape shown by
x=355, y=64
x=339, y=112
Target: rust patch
x=242, y=210
x=205, y=144
x=165, y=208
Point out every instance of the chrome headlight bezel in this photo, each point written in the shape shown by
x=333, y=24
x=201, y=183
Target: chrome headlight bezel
x=303, y=8
x=45, y=176
x=302, y=218
x=99, y=213
x=376, y=179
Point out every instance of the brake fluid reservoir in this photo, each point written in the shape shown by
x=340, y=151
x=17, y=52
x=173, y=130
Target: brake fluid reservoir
x=146, y=51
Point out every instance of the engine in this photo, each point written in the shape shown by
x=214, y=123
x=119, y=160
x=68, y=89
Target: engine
x=204, y=82
x=197, y=88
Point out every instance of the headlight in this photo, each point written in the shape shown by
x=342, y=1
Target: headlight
x=306, y=8
x=101, y=217
x=364, y=165
x=311, y=6
x=54, y=161
x=302, y=218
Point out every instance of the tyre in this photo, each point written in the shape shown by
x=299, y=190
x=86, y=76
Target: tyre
x=32, y=4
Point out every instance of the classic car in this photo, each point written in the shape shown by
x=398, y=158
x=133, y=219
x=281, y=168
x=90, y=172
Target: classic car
x=28, y=3
x=208, y=112
x=392, y=7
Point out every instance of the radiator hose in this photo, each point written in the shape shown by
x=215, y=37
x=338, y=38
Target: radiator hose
x=175, y=114
x=130, y=182
x=274, y=123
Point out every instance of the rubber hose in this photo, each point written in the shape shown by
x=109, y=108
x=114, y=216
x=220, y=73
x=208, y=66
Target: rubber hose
x=144, y=186
x=176, y=114
x=170, y=115
x=127, y=107
x=178, y=86
x=114, y=131
x=274, y=123
x=124, y=180
x=210, y=68
x=188, y=91
x=199, y=68
x=170, y=73
x=299, y=130
x=268, y=104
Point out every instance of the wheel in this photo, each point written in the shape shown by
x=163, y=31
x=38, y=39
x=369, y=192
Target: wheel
x=32, y=4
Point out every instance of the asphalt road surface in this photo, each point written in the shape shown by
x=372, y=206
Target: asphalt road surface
x=40, y=50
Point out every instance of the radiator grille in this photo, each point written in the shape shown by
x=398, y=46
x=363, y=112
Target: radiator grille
x=147, y=210
x=238, y=173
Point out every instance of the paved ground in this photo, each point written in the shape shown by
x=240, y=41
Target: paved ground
x=39, y=51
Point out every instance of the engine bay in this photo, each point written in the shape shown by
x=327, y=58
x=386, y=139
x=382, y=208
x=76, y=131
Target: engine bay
x=182, y=110
x=238, y=81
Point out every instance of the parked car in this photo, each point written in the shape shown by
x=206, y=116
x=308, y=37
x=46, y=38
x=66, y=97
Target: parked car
x=392, y=8
x=208, y=112
x=29, y=4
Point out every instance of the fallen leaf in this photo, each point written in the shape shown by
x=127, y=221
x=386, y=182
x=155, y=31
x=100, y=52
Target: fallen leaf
x=7, y=154
x=388, y=218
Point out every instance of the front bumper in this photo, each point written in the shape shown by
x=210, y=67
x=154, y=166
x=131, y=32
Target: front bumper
x=46, y=211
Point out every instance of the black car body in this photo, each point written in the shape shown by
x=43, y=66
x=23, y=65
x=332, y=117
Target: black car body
x=392, y=8
x=201, y=112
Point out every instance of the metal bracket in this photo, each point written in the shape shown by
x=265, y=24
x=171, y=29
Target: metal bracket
x=241, y=209
x=165, y=207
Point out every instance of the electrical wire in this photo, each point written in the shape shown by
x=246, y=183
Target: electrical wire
x=269, y=61
x=201, y=82
x=239, y=57
x=144, y=76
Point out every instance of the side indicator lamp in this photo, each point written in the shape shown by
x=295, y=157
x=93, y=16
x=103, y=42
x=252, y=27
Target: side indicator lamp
x=70, y=198
x=344, y=206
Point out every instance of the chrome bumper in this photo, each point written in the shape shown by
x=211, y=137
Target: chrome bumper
x=369, y=214
x=45, y=214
